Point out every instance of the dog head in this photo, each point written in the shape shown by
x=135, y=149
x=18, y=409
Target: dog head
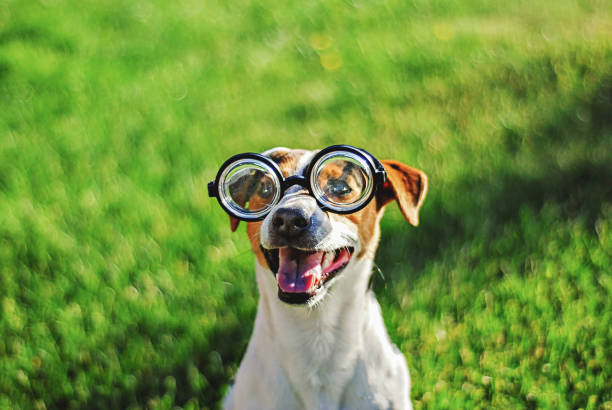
x=307, y=249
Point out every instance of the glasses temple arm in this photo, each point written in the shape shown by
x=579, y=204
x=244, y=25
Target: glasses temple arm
x=212, y=189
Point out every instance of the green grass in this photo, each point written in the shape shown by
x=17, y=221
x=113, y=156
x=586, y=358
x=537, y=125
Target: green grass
x=120, y=282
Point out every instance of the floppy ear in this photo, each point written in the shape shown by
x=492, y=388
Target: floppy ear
x=234, y=223
x=407, y=185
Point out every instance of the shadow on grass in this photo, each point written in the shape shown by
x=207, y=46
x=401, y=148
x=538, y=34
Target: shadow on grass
x=226, y=346
x=485, y=204
x=180, y=383
x=579, y=189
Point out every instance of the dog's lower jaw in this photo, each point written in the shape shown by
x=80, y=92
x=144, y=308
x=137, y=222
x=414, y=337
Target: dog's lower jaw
x=337, y=355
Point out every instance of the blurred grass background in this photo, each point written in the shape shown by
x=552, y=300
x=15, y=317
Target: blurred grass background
x=120, y=282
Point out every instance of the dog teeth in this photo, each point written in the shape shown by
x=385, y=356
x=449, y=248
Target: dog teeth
x=328, y=259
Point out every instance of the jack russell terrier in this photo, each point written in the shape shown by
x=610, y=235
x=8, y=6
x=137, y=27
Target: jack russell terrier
x=319, y=341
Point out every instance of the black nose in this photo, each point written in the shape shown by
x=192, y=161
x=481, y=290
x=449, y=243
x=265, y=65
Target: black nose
x=290, y=222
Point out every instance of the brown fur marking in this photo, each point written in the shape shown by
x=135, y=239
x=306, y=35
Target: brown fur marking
x=365, y=220
x=405, y=184
x=287, y=161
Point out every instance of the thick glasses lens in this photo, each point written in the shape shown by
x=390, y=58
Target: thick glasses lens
x=341, y=180
x=249, y=188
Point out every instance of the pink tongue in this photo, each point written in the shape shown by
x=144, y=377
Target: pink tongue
x=297, y=271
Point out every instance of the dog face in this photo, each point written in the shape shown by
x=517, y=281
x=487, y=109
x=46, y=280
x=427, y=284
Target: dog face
x=307, y=249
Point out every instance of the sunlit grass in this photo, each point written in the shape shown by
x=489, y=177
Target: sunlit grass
x=121, y=284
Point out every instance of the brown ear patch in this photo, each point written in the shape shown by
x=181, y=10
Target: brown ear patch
x=406, y=185
x=234, y=223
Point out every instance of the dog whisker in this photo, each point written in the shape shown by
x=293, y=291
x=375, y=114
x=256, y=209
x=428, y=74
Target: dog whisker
x=379, y=271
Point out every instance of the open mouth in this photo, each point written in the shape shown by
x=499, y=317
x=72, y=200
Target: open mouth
x=302, y=274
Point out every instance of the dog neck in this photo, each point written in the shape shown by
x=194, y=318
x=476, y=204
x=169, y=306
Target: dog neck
x=311, y=342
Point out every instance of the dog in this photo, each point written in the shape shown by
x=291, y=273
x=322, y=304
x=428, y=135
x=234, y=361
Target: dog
x=319, y=341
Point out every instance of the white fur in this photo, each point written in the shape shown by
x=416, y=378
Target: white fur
x=336, y=355
x=333, y=353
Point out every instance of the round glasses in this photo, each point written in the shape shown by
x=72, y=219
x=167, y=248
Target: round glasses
x=342, y=179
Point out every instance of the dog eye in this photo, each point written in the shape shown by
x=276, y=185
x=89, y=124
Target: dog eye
x=337, y=188
x=265, y=189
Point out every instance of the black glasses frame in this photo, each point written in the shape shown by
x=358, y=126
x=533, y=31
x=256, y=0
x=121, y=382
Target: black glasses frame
x=377, y=171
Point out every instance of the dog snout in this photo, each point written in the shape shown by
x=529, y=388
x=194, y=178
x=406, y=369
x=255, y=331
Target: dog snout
x=290, y=222
x=297, y=222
